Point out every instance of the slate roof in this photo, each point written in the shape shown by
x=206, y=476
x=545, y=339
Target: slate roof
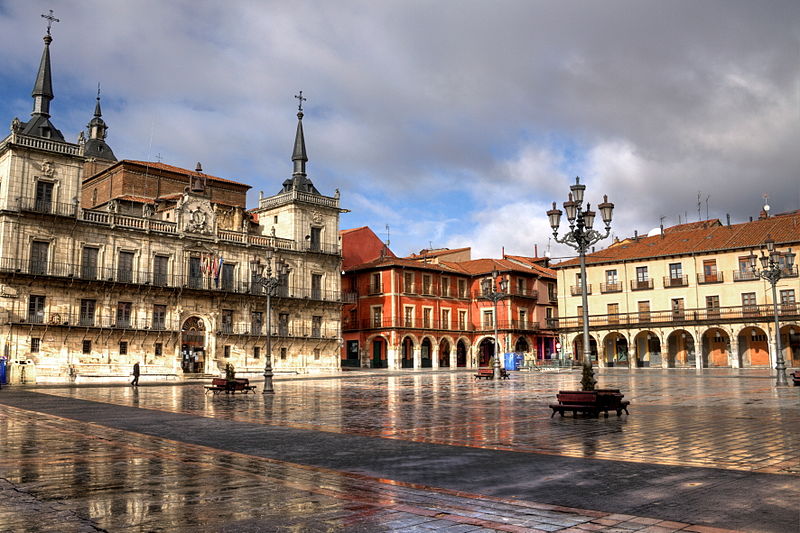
x=700, y=238
x=179, y=170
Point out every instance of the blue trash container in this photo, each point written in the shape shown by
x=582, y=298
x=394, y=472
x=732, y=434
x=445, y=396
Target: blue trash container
x=2, y=371
x=510, y=361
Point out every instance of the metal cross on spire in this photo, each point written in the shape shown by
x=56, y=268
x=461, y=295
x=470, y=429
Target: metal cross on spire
x=50, y=19
x=300, y=98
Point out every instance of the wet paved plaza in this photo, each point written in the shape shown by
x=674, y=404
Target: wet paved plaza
x=412, y=451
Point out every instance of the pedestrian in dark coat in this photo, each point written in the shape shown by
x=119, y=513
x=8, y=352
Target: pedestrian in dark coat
x=135, y=382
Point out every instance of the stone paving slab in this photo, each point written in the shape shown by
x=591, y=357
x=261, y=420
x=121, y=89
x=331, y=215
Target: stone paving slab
x=493, y=440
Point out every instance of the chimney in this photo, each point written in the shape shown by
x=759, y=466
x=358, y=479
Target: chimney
x=662, y=230
x=728, y=217
x=535, y=250
x=636, y=235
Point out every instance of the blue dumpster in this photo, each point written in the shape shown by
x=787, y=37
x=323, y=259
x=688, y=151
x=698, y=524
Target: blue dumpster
x=3, y=371
x=512, y=361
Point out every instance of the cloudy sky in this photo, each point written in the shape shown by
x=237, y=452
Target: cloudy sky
x=456, y=123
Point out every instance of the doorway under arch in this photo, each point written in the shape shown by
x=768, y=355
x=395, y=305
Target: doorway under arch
x=407, y=360
x=680, y=349
x=647, y=349
x=577, y=348
x=379, y=353
x=753, y=347
x=426, y=353
x=616, y=350
x=444, y=353
x=716, y=348
x=193, y=345
x=461, y=354
x=485, y=351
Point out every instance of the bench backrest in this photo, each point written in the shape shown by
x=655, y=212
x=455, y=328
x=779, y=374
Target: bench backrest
x=577, y=396
x=218, y=382
x=486, y=371
x=243, y=381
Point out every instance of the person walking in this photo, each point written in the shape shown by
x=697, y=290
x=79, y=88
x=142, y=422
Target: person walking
x=135, y=382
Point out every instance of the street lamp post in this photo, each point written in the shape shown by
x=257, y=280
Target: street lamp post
x=772, y=270
x=489, y=286
x=270, y=283
x=580, y=237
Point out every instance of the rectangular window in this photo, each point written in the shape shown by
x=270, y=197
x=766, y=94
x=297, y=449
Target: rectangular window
x=125, y=267
x=36, y=309
x=641, y=274
x=377, y=316
x=35, y=344
x=39, y=252
x=613, y=313
x=408, y=282
x=86, y=317
x=283, y=324
x=160, y=266
x=195, y=273
x=746, y=269
x=227, y=321
x=675, y=270
x=256, y=322
x=316, y=286
x=123, y=347
x=523, y=318
x=712, y=306
x=316, y=326
x=124, y=314
x=427, y=313
x=677, y=309
x=445, y=319
x=159, y=316
x=788, y=304
x=375, y=283
x=226, y=352
x=445, y=287
x=316, y=239
x=611, y=277
x=710, y=270
x=462, y=288
x=612, y=282
x=283, y=354
x=462, y=320
x=43, y=202
x=158, y=349
x=521, y=286
x=87, y=347
x=316, y=354
x=427, y=284
x=408, y=316
x=256, y=352
x=89, y=262
x=749, y=303
x=644, y=311
x=488, y=318
x=227, y=277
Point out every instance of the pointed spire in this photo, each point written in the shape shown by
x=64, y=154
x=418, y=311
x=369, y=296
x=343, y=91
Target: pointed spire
x=42, y=93
x=43, y=87
x=96, y=146
x=299, y=156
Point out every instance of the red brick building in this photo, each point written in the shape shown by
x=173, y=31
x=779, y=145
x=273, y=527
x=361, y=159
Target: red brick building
x=427, y=310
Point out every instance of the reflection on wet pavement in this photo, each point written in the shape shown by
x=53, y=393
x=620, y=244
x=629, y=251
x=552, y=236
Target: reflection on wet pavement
x=62, y=475
x=720, y=419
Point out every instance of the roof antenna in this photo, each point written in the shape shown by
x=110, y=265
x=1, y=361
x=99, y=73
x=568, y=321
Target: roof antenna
x=766, y=205
x=388, y=242
x=699, y=215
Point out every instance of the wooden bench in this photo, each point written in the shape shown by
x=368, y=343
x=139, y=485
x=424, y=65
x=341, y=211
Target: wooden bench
x=230, y=387
x=796, y=377
x=590, y=402
x=488, y=373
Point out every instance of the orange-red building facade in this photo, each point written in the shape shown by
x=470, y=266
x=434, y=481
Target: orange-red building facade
x=429, y=312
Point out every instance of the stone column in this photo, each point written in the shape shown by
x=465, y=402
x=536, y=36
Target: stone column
x=418, y=356
x=733, y=353
x=435, y=356
x=392, y=357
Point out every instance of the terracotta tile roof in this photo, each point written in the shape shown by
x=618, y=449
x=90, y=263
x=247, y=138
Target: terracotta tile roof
x=783, y=229
x=702, y=224
x=436, y=253
x=179, y=170
x=485, y=266
x=535, y=263
x=138, y=199
x=351, y=230
x=400, y=262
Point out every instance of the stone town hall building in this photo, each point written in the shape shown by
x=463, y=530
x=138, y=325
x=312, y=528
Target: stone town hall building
x=106, y=262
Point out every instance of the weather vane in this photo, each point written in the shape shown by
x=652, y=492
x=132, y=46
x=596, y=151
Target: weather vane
x=299, y=97
x=50, y=20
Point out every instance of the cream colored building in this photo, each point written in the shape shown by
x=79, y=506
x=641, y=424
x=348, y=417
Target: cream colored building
x=685, y=297
x=104, y=263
